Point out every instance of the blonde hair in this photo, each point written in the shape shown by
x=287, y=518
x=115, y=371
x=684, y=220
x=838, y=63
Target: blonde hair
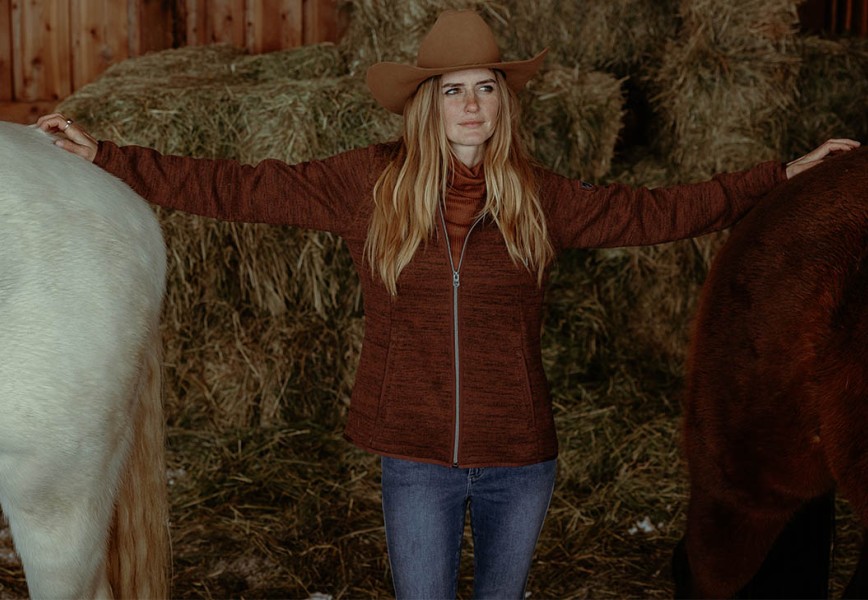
x=412, y=185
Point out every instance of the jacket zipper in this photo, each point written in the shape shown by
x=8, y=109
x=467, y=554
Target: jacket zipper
x=456, y=282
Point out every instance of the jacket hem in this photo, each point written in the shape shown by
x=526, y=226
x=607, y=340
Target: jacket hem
x=446, y=463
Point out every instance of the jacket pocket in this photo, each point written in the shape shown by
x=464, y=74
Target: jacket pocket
x=415, y=409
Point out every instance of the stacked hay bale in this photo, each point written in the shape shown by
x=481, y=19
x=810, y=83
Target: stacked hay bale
x=620, y=36
x=723, y=95
x=263, y=324
x=833, y=86
x=727, y=85
x=572, y=120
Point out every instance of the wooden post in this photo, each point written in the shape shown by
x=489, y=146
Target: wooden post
x=320, y=21
x=50, y=48
x=6, y=90
x=195, y=24
x=863, y=21
x=150, y=25
x=215, y=21
x=99, y=39
x=225, y=22
x=43, y=66
x=274, y=25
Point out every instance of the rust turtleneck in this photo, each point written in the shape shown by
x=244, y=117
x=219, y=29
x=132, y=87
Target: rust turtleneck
x=465, y=197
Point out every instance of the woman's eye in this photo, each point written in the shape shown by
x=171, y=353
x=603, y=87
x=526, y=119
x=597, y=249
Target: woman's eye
x=486, y=88
x=452, y=91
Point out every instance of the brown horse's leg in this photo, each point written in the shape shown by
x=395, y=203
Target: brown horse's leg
x=727, y=547
x=681, y=571
x=797, y=565
x=725, y=544
x=842, y=384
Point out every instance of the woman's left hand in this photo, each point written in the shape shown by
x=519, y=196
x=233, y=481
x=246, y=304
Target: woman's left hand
x=75, y=139
x=816, y=156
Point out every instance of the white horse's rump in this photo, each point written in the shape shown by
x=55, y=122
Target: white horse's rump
x=82, y=275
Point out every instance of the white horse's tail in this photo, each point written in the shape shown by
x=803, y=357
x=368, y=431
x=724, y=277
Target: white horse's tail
x=139, y=547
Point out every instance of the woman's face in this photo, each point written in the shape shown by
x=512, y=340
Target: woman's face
x=470, y=103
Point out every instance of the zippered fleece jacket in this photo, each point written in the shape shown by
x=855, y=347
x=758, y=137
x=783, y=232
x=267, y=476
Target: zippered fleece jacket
x=450, y=370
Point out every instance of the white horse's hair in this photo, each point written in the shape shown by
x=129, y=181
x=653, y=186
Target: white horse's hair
x=82, y=277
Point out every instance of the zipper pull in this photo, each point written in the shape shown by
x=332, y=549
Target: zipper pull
x=456, y=279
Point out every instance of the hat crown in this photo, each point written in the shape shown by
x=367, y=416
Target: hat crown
x=458, y=38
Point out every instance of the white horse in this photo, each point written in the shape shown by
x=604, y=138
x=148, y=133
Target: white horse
x=82, y=277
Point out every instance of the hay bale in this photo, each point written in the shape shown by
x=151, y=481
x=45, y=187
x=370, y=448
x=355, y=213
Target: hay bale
x=833, y=85
x=304, y=120
x=615, y=35
x=596, y=34
x=726, y=88
x=572, y=120
x=189, y=100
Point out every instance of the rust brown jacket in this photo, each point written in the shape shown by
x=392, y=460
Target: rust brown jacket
x=450, y=370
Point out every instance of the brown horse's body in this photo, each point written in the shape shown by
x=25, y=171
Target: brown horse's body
x=776, y=409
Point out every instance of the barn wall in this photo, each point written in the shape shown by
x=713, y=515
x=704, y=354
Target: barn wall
x=836, y=17
x=50, y=48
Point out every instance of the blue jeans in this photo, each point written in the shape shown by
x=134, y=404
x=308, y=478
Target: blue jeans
x=424, y=507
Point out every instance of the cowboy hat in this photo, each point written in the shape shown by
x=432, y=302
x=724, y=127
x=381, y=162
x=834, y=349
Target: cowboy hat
x=459, y=40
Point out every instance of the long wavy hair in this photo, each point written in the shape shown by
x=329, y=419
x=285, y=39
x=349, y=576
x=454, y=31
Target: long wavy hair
x=407, y=193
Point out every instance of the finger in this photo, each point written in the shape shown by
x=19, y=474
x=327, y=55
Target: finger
x=69, y=128
x=828, y=147
x=837, y=145
x=44, y=119
x=846, y=142
x=843, y=146
x=52, y=122
x=77, y=134
x=87, y=152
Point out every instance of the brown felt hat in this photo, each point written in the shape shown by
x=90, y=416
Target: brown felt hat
x=459, y=40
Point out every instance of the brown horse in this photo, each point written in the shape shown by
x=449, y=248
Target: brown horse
x=776, y=404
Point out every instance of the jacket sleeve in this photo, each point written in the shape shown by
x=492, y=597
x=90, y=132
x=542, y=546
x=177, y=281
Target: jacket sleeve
x=580, y=215
x=321, y=194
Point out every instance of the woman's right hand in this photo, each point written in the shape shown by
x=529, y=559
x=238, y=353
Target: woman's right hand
x=73, y=138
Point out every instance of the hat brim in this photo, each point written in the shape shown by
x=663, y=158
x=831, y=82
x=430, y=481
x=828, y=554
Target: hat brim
x=392, y=84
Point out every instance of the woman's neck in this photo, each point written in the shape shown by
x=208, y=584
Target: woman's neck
x=470, y=156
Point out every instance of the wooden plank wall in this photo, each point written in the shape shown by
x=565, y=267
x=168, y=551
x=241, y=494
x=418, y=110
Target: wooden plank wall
x=835, y=17
x=850, y=16
x=50, y=48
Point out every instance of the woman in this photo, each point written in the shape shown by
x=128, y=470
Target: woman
x=452, y=229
